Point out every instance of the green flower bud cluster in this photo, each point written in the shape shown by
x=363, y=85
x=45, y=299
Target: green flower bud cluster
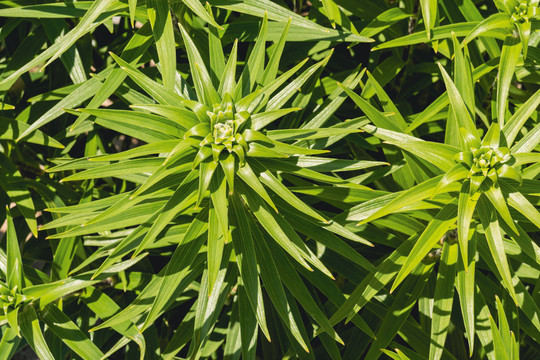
x=488, y=162
x=221, y=131
x=11, y=301
x=524, y=12
x=10, y=298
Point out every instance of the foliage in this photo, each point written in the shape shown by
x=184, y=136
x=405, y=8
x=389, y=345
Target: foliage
x=234, y=179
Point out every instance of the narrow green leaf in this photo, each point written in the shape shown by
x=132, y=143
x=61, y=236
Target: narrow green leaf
x=201, y=78
x=215, y=246
x=247, y=262
x=218, y=193
x=400, y=309
x=185, y=118
x=440, y=155
x=509, y=57
x=371, y=112
x=279, y=100
x=512, y=128
x=429, y=13
x=10, y=129
x=250, y=178
x=132, y=9
x=260, y=120
x=206, y=171
x=443, y=299
x=199, y=10
x=281, y=231
x=459, y=108
x=9, y=343
x=519, y=202
x=434, y=232
x=33, y=335
x=157, y=91
x=281, y=190
x=183, y=197
x=69, y=332
x=438, y=33
x=15, y=275
x=13, y=184
x=248, y=326
x=163, y=146
x=407, y=197
x=260, y=8
x=272, y=282
x=270, y=72
x=466, y=207
x=228, y=78
x=215, y=50
x=494, y=21
x=496, y=197
x=465, y=286
x=253, y=70
x=494, y=237
x=178, y=267
x=141, y=40
x=373, y=283
x=298, y=289
x=498, y=344
x=53, y=52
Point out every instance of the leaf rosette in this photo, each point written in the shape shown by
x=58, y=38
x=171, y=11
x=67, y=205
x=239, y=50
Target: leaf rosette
x=478, y=186
x=215, y=159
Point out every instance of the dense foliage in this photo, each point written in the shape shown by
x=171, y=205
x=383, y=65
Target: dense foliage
x=324, y=179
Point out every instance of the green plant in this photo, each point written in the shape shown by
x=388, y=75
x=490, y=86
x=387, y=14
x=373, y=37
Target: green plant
x=232, y=179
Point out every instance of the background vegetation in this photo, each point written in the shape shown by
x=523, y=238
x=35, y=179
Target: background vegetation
x=270, y=179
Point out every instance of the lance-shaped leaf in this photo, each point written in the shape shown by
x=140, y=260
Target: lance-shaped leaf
x=200, y=11
x=373, y=283
x=434, y=232
x=509, y=58
x=429, y=13
x=440, y=155
x=53, y=52
x=465, y=286
x=277, y=101
x=400, y=309
x=490, y=223
x=515, y=123
x=495, y=21
x=162, y=27
x=459, y=108
x=281, y=231
x=141, y=40
x=408, y=197
x=270, y=72
x=32, y=333
x=9, y=344
x=253, y=70
x=15, y=275
x=247, y=261
x=215, y=246
x=178, y=266
x=206, y=92
x=70, y=333
x=157, y=91
x=183, y=197
x=496, y=197
x=466, y=206
x=12, y=183
x=443, y=299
